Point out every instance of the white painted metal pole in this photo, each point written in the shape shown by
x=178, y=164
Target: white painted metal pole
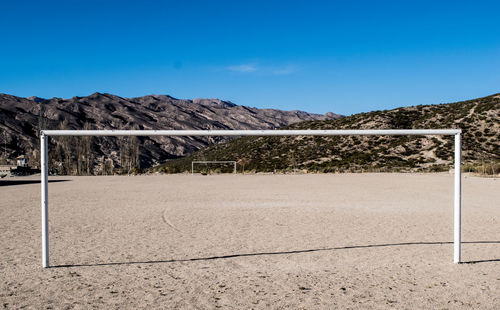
x=235, y=168
x=45, y=200
x=192, y=168
x=363, y=132
x=457, y=241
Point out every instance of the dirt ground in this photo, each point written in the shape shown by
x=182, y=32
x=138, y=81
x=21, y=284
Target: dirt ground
x=250, y=241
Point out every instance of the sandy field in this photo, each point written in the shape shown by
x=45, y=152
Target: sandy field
x=350, y=241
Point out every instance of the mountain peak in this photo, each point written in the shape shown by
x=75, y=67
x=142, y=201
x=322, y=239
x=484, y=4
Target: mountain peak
x=36, y=99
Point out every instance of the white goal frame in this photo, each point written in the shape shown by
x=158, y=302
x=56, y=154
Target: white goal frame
x=44, y=135
x=213, y=162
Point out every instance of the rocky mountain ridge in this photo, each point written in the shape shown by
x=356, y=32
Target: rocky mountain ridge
x=22, y=118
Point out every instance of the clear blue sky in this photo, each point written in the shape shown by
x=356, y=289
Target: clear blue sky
x=318, y=56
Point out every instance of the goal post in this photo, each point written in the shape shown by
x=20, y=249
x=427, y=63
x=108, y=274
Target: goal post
x=213, y=162
x=457, y=196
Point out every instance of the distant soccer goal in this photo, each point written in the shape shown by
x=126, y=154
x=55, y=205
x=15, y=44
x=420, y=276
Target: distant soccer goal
x=220, y=162
x=44, y=135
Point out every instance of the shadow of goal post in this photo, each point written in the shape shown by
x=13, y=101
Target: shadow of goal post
x=457, y=197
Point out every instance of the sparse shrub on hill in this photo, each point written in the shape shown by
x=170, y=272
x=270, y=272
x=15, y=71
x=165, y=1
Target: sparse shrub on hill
x=479, y=120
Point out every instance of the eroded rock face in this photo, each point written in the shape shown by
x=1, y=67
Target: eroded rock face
x=22, y=118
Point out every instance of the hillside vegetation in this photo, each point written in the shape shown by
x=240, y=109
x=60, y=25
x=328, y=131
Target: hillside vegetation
x=479, y=120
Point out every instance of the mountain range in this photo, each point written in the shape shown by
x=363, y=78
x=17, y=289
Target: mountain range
x=21, y=119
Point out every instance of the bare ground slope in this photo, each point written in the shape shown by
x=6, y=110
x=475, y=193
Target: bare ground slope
x=252, y=241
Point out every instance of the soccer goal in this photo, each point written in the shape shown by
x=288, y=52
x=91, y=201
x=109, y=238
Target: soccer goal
x=45, y=134
x=222, y=162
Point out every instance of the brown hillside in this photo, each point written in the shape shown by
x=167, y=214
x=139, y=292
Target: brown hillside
x=22, y=118
x=479, y=120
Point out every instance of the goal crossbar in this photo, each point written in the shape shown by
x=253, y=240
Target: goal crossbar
x=364, y=132
x=457, y=196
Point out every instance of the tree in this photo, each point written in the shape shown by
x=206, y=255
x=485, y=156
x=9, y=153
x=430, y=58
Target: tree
x=86, y=154
x=243, y=162
x=42, y=121
x=129, y=154
x=67, y=148
x=293, y=161
x=4, y=154
x=107, y=166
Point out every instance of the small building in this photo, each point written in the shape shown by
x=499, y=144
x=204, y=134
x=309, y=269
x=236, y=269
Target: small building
x=21, y=161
